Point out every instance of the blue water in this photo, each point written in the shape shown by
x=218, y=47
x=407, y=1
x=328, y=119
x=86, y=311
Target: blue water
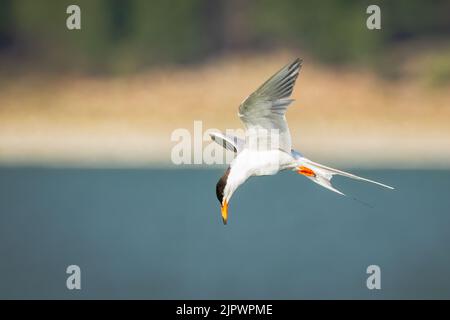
x=158, y=234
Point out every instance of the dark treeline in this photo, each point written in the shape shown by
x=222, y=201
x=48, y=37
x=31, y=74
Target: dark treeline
x=120, y=35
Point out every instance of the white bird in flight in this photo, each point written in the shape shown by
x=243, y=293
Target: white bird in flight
x=262, y=152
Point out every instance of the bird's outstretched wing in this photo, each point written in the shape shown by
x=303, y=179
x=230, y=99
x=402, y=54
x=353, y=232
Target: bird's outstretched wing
x=264, y=110
x=228, y=141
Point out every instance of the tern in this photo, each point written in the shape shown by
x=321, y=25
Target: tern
x=262, y=113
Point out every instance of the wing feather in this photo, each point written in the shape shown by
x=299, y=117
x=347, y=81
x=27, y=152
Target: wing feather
x=228, y=141
x=266, y=107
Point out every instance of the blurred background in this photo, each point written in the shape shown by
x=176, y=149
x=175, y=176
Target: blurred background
x=86, y=118
x=113, y=91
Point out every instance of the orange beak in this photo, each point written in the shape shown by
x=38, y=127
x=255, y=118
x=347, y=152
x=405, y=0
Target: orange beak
x=225, y=212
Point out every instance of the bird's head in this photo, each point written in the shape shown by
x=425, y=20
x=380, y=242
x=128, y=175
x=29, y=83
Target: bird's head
x=224, y=190
x=226, y=186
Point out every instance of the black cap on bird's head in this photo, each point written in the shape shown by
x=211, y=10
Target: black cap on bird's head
x=220, y=187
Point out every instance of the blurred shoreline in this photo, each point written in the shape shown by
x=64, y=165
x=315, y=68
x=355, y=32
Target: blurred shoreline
x=341, y=116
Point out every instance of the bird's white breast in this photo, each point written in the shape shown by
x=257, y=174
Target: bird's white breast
x=251, y=162
x=258, y=163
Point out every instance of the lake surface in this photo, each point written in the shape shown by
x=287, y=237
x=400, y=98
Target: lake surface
x=144, y=233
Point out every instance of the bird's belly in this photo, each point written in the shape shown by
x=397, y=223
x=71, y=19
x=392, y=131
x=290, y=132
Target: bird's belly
x=266, y=170
x=262, y=163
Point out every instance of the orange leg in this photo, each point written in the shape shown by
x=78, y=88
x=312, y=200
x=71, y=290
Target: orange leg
x=306, y=171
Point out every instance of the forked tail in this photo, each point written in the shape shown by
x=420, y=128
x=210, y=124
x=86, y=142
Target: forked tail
x=322, y=175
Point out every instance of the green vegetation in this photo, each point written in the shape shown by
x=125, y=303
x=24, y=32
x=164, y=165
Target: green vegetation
x=125, y=36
